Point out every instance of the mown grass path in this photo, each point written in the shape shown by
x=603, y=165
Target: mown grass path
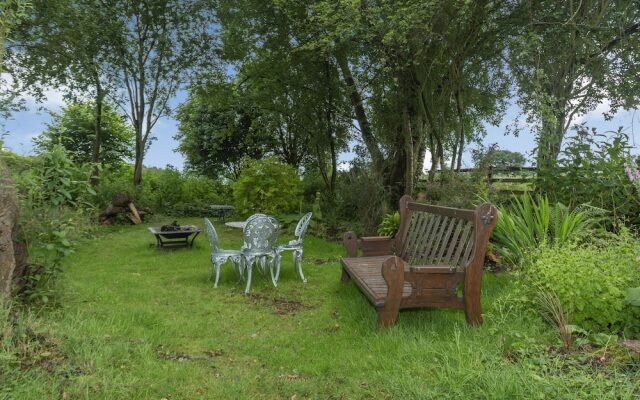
x=140, y=323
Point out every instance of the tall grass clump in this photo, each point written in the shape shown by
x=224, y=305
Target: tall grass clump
x=554, y=312
x=528, y=222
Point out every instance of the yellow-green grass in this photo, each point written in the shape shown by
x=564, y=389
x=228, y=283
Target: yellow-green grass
x=135, y=322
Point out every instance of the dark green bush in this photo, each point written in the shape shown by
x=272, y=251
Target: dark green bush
x=360, y=201
x=267, y=186
x=592, y=282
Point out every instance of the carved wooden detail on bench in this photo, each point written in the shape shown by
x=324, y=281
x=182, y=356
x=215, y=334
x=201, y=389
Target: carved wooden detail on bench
x=439, y=254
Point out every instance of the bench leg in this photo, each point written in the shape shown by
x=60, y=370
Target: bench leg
x=472, y=310
x=387, y=316
x=345, y=277
x=393, y=274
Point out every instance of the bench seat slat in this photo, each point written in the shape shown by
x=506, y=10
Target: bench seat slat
x=366, y=272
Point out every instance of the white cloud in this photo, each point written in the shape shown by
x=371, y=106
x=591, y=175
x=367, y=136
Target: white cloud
x=595, y=114
x=344, y=165
x=53, y=99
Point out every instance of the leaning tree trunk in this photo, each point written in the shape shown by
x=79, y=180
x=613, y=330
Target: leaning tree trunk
x=13, y=249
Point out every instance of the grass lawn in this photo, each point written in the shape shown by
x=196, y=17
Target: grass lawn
x=135, y=322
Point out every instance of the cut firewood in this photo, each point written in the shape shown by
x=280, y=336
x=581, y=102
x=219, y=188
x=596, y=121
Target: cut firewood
x=134, y=216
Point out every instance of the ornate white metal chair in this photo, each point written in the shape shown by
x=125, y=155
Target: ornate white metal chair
x=295, y=246
x=260, y=234
x=220, y=256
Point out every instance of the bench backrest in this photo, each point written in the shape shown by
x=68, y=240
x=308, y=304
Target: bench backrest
x=444, y=236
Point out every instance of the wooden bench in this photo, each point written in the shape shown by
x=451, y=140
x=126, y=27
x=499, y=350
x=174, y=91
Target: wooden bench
x=435, y=260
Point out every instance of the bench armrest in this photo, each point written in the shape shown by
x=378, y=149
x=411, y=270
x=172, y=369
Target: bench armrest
x=370, y=245
x=376, y=246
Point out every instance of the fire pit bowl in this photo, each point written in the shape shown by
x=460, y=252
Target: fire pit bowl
x=179, y=237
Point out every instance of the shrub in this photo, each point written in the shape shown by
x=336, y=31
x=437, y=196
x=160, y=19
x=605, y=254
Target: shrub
x=390, y=224
x=166, y=191
x=591, y=169
x=453, y=190
x=360, y=199
x=530, y=222
x=53, y=197
x=267, y=186
x=592, y=282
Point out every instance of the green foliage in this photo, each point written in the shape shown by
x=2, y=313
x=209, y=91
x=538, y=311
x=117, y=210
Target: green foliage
x=494, y=156
x=551, y=53
x=456, y=190
x=390, y=224
x=592, y=281
x=360, y=199
x=267, y=186
x=591, y=169
x=57, y=181
x=52, y=238
x=529, y=222
x=75, y=130
x=54, y=195
x=166, y=191
x=216, y=131
x=633, y=296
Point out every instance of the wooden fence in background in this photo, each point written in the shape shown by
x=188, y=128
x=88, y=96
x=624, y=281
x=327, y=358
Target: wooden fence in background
x=515, y=180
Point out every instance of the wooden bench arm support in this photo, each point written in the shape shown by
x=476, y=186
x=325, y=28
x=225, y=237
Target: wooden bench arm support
x=393, y=274
x=370, y=245
x=350, y=243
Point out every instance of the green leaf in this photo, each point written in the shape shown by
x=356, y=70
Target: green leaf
x=633, y=296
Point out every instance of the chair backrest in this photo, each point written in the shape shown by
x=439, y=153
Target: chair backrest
x=260, y=233
x=255, y=216
x=301, y=228
x=212, y=234
x=435, y=235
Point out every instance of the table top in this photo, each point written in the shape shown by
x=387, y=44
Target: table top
x=236, y=224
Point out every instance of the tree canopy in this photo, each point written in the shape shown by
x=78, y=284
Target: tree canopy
x=306, y=81
x=74, y=129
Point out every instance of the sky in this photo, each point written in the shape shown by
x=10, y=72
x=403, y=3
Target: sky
x=23, y=126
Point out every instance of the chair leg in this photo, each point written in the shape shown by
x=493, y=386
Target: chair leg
x=297, y=257
x=276, y=265
x=237, y=265
x=273, y=267
x=211, y=270
x=218, y=265
x=248, y=266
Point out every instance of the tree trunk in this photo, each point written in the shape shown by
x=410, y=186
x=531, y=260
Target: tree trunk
x=97, y=142
x=408, y=150
x=2, y=35
x=461, y=133
x=137, y=169
x=13, y=249
x=550, y=143
x=361, y=116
